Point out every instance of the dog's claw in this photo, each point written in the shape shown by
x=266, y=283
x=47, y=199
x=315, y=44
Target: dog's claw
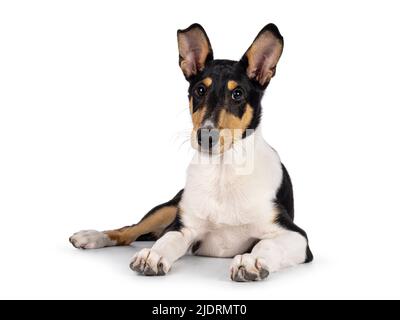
x=248, y=268
x=149, y=263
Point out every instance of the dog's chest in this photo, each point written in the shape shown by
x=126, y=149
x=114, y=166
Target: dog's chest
x=222, y=198
x=227, y=210
x=221, y=195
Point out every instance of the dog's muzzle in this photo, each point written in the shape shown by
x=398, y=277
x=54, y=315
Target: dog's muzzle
x=207, y=138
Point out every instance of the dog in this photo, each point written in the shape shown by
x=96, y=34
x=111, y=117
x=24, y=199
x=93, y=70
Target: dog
x=222, y=211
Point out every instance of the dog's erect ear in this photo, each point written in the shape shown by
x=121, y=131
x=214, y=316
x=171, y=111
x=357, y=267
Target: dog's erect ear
x=261, y=58
x=194, y=50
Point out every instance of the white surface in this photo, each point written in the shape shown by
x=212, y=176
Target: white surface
x=93, y=113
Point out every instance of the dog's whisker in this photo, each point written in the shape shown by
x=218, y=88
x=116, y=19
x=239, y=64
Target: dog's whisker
x=186, y=141
x=221, y=212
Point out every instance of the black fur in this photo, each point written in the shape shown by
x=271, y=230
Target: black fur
x=173, y=202
x=221, y=71
x=175, y=225
x=284, y=196
x=195, y=247
x=218, y=96
x=285, y=204
x=275, y=31
x=210, y=55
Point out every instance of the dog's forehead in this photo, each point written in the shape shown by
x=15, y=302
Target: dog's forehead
x=222, y=70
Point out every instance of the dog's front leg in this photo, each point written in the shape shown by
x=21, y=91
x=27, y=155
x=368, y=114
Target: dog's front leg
x=270, y=255
x=158, y=260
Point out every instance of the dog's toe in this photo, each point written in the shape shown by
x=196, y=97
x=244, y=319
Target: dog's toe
x=90, y=239
x=149, y=263
x=248, y=268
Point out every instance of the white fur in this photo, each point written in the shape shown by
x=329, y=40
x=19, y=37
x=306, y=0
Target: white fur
x=208, y=124
x=230, y=210
x=227, y=211
x=91, y=239
x=167, y=250
x=149, y=262
x=286, y=250
x=216, y=193
x=248, y=266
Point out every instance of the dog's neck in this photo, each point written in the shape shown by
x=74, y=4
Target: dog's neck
x=223, y=190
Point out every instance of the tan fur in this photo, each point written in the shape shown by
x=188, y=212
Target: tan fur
x=191, y=105
x=207, y=82
x=230, y=121
x=155, y=223
x=197, y=117
x=232, y=85
x=232, y=127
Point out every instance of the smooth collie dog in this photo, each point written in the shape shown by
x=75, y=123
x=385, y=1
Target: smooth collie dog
x=238, y=198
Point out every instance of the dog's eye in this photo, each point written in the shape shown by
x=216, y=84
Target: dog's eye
x=201, y=90
x=237, y=94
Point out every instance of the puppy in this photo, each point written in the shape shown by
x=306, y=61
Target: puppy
x=238, y=198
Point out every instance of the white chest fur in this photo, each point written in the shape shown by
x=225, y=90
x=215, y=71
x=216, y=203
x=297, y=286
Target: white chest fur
x=227, y=207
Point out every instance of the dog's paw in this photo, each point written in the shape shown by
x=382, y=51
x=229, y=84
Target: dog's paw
x=149, y=263
x=248, y=268
x=91, y=239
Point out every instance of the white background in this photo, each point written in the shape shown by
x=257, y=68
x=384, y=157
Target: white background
x=93, y=123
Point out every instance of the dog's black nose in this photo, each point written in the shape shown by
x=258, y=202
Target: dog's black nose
x=207, y=137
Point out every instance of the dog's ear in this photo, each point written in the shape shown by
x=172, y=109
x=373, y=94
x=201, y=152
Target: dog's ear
x=194, y=50
x=261, y=58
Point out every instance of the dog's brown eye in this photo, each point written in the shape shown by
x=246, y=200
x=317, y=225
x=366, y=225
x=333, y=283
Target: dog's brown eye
x=201, y=90
x=237, y=94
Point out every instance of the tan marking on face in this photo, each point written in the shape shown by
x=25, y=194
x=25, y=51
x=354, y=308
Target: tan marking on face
x=207, y=82
x=230, y=121
x=155, y=223
x=197, y=120
x=191, y=105
x=232, y=85
x=232, y=127
x=197, y=117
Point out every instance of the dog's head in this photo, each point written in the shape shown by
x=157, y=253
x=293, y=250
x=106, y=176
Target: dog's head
x=224, y=95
